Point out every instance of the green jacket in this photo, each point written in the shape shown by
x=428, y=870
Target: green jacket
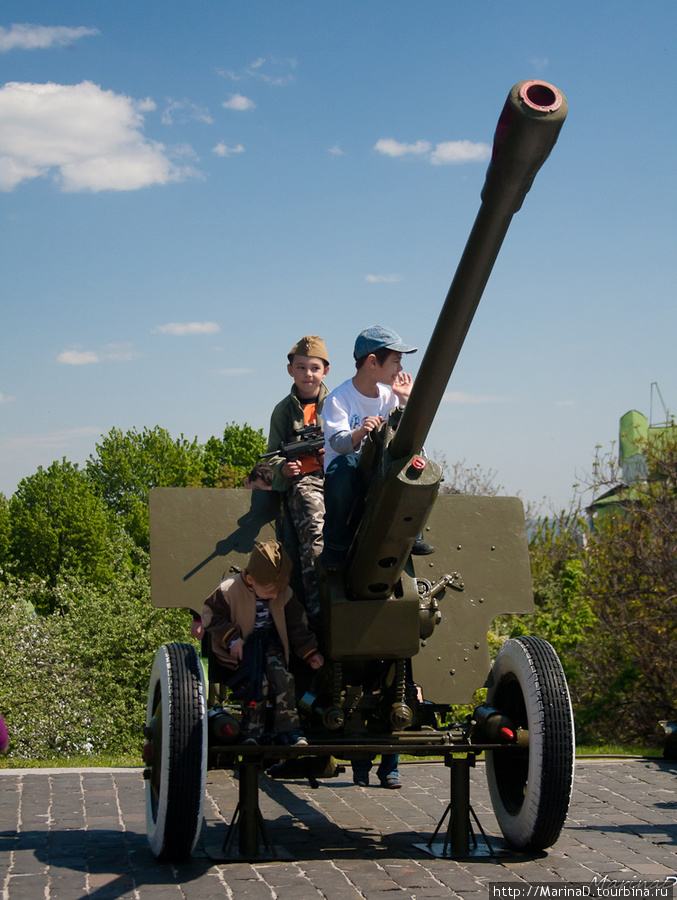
x=288, y=415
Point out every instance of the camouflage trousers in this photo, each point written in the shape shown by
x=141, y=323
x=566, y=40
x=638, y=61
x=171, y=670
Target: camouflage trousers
x=305, y=501
x=277, y=676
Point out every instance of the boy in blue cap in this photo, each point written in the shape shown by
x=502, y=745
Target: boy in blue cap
x=351, y=412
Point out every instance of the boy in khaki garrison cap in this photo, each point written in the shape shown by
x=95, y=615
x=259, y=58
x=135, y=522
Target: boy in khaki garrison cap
x=254, y=616
x=303, y=479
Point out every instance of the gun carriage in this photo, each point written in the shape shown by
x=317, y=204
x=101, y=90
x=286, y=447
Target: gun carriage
x=405, y=638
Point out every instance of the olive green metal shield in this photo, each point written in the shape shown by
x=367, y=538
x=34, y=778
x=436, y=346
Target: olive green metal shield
x=198, y=536
x=481, y=541
x=201, y=535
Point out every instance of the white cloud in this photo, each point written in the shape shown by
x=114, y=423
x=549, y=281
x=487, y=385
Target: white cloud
x=445, y=153
x=183, y=111
x=383, y=279
x=463, y=397
x=90, y=138
x=223, y=149
x=454, y=152
x=238, y=102
x=78, y=357
x=5, y=398
x=32, y=37
x=115, y=352
x=260, y=69
x=182, y=328
x=336, y=151
x=234, y=371
x=390, y=147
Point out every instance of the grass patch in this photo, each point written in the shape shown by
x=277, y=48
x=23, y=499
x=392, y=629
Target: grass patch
x=104, y=761
x=619, y=750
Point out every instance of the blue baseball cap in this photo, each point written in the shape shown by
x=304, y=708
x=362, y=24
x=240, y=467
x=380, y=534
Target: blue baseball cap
x=377, y=337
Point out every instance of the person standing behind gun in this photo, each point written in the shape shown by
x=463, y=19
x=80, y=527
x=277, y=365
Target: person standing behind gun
x=302, y=479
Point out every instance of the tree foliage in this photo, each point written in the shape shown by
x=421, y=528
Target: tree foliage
x=631, y=583
x=228, y=460
x=75, y=611
x=4, y=530
x=59, y=523
x=563, y=613
x=128, y=464
x=605, y=589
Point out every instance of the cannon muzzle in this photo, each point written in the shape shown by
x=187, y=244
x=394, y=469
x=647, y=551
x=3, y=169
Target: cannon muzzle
x=526, y=133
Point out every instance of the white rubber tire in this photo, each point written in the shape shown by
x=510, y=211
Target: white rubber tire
x=176, y=727
x=531, y=788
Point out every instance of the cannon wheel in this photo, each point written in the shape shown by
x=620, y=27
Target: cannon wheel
x=530, y=789
x=176, y=751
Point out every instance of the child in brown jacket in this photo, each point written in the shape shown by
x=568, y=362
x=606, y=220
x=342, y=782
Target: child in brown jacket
x=254, y=618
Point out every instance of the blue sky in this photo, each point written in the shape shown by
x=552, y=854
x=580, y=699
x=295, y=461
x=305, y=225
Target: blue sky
x=186, y=189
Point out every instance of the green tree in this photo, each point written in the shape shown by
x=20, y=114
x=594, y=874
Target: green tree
x=630, y=580
x=58, y=523
x=563, y=611
x=4, y=530
x=228, y=460
x=128, y=464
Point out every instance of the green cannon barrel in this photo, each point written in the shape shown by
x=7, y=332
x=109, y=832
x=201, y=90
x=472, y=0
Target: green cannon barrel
x=404, y=484
x=526, y=133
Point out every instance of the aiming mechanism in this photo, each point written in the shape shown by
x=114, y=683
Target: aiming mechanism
x=405, y=637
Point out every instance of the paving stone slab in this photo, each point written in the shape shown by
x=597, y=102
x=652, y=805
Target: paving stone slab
x=68, y=835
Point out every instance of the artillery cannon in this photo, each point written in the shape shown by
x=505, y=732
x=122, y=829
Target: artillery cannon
x=405, y=638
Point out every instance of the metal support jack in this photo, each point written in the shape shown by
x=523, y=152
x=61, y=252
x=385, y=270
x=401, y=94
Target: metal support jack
x=459, y=833
x=253, y=841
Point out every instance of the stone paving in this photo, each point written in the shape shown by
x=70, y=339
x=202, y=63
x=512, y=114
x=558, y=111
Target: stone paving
x=72, y=834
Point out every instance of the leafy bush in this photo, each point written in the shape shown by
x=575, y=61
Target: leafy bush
x=75, y=682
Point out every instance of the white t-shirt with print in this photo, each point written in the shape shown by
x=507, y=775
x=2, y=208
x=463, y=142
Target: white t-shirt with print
x=346, y=409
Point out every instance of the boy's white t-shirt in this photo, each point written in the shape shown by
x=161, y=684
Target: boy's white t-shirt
x=346, y=409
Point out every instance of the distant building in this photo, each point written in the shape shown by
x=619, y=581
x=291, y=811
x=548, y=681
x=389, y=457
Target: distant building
x=635, y=432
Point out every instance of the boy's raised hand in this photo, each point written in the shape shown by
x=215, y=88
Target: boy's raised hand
x=402, y=386
x=369, y=424
x=316, y=660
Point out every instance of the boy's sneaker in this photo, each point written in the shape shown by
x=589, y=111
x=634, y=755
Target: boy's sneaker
x=422, y=548
x=298, y=740
x=361, y=782
x=250, y=741
x=392, y=782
